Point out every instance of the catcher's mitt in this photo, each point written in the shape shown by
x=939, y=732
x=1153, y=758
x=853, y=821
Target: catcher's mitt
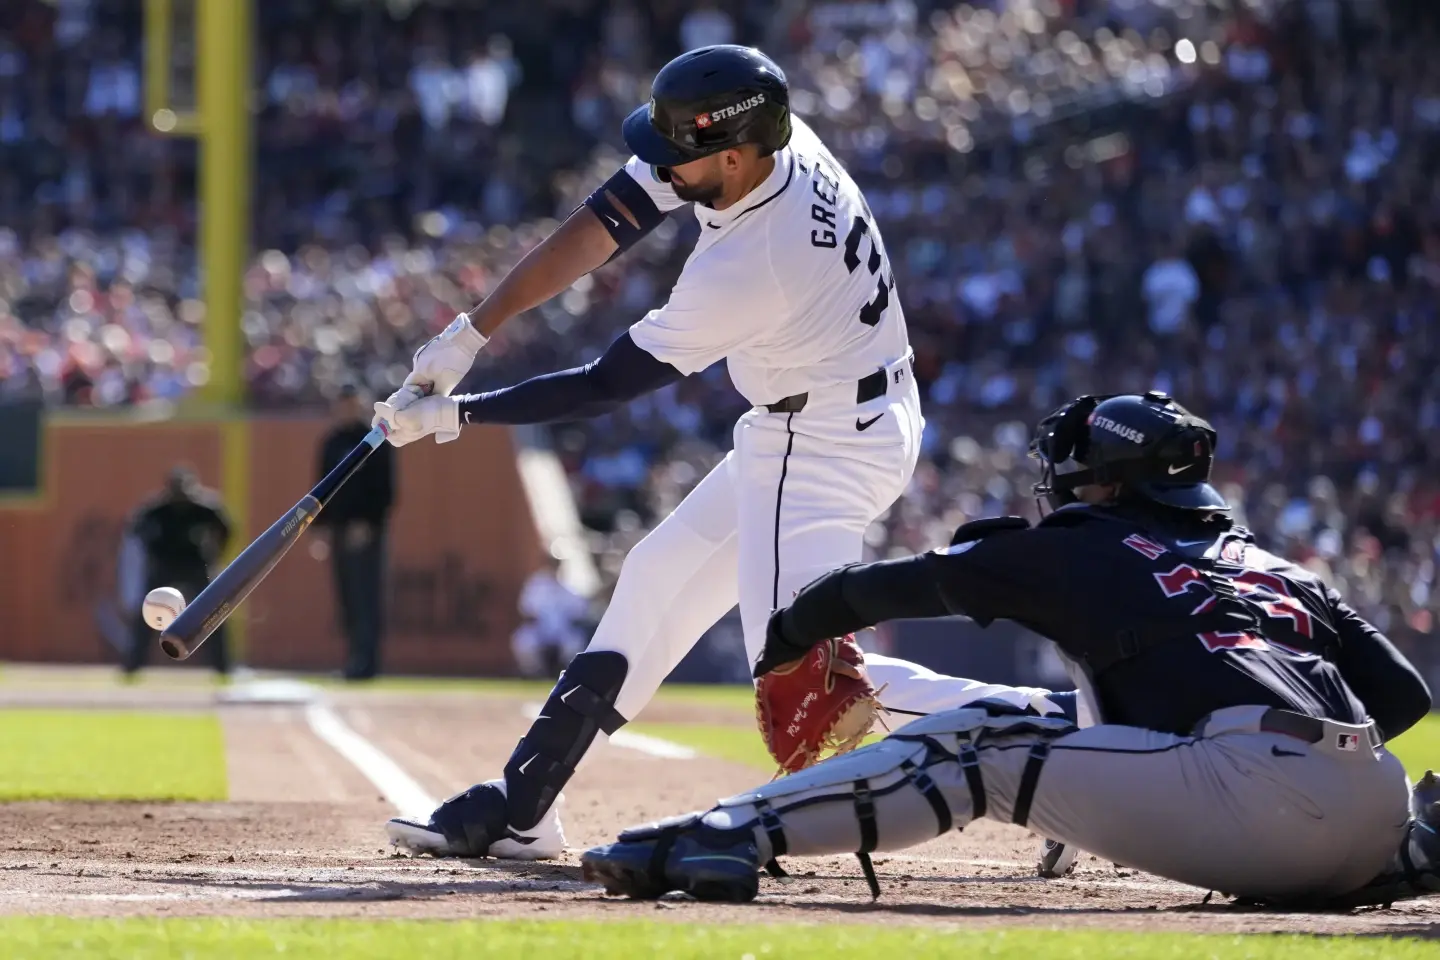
x=824, y=701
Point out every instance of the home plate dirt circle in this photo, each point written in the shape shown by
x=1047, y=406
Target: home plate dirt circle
x=302, y=835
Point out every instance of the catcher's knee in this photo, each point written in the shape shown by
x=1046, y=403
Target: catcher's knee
x=581, y=705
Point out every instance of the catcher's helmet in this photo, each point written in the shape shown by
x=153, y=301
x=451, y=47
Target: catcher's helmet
x=709, y=100
x=1155, y=448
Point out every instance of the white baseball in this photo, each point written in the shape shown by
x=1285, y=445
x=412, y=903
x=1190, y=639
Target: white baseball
x=162, y=606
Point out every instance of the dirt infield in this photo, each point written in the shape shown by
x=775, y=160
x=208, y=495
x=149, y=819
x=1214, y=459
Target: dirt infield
x=302, y=837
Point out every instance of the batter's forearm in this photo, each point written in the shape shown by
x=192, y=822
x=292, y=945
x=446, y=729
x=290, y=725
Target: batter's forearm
x=622, y=374
x=580, y=244
x=567, y=395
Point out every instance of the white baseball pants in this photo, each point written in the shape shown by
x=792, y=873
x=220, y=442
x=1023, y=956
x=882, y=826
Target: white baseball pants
x=789, y=503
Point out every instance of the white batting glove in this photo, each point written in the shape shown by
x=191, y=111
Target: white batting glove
x=440, y=364
x=428, y=415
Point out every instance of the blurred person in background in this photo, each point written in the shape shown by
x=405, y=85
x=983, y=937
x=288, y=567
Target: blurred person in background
x=552, y=630
x=356, y=521
x=179, y=535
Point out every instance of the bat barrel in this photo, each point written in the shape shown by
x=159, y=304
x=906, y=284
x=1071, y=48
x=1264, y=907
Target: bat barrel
x=204, y=614
x=174, y=647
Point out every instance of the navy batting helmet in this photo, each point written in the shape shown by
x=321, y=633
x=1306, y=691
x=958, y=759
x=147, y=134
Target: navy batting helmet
x=1155, y=448
x=709, y=100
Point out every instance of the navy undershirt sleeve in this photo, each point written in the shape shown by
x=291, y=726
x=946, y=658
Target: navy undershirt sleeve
x=858, y=596
x=1392, y=690
x=621, y=374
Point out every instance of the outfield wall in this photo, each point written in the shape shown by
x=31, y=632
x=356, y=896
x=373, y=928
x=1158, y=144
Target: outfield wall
x=462, y=542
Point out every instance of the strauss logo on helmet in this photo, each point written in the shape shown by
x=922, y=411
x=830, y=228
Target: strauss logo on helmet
x=725, y=113
x=1119, y=429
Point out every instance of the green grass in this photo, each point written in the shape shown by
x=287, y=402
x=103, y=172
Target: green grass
x=1419, y=747
x=47, y=938
x=110, y=755
x=736, y=744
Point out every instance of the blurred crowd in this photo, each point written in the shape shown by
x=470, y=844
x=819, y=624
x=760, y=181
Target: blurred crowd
x=1076, y=195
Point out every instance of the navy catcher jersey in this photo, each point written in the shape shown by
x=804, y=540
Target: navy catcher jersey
x=1174, y=625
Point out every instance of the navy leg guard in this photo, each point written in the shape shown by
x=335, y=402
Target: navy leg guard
x=581, y=705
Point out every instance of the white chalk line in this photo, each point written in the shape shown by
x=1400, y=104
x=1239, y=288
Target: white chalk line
x=399, y=788
x=329, y=884
x=630, y=740
x=394, y=784
x=339, y=896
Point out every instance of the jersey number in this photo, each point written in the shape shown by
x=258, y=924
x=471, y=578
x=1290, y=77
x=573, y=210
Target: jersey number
x=1269, y=591
x=871, y=313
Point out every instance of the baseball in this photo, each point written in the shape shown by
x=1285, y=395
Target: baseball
x=162, y=606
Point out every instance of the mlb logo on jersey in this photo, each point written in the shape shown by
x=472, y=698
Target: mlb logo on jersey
x=1347, y=741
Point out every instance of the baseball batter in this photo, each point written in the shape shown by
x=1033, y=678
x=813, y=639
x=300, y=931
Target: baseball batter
x=789, y=283
x=1244, y=707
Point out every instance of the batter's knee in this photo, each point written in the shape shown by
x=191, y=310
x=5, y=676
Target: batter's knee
x=669, y=554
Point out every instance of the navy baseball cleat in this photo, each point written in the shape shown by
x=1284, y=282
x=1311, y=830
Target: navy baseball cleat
x=473, y=823
x=681, y=853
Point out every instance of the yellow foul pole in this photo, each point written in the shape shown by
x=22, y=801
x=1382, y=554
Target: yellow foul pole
x=222, y=123
x=223, y=81
x=223, y=67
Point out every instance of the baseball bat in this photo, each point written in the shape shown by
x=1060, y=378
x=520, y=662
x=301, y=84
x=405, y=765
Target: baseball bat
x=203, y=615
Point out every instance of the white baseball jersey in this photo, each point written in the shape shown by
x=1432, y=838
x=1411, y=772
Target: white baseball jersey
x=791, y=285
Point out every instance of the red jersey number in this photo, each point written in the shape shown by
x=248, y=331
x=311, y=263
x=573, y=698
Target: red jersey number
x=1271, y=592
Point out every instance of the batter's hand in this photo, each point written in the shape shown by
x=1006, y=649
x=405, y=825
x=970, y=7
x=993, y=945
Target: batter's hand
x=440, y=364
x=429, y=415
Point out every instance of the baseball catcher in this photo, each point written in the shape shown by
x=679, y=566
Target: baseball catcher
x=1243, y=706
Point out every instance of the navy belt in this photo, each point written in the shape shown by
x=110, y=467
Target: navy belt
x=1293, y=724
x=866, y=389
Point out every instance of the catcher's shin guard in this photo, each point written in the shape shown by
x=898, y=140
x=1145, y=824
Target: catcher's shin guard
x=916, y=784
x=581, y=705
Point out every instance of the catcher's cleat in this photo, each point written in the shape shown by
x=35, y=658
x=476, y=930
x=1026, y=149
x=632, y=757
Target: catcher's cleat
x=1056, y=860
x=1423, y=798
x=680, y=854
x=473, y=824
